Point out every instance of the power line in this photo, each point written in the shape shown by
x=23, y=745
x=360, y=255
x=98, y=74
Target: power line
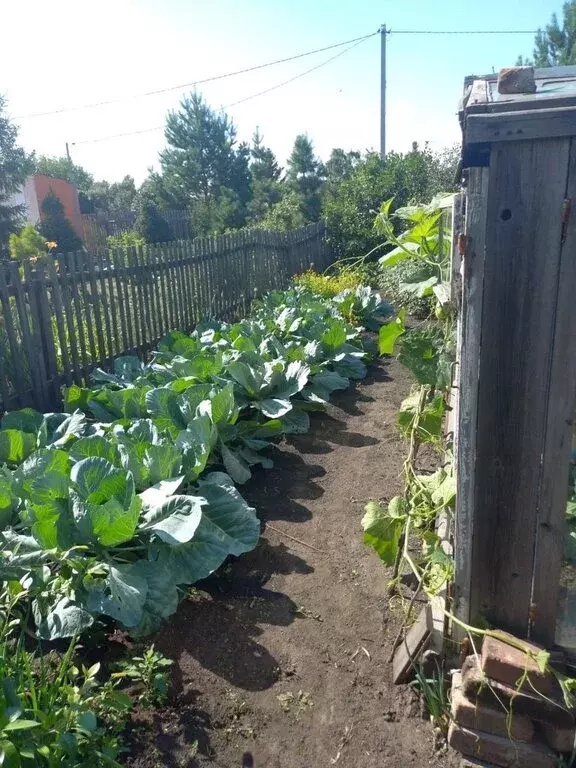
x=297, y=77
x=195, y=82
x=233, y=104
x=462, y=31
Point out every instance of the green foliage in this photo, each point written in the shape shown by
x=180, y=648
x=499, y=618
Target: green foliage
x=392, y=281
x=149, y=672
x=150, y=226
x=203, y=168
x=555, y=45
x=327, y=286
x=129, y=239
x=15, y=165
x=110, y=508
x=285, y=215
x=265, y=173
x=55, y=227
x=64, y=168
x=305, y=176
x=349, y=205
x=53, y=710
x=27, y=244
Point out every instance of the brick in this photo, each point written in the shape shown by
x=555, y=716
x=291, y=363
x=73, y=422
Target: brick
x=498, y=750
x=480, y=689
x=516, y=80
x=507, y=664
x=560, y=739
x=479, y=717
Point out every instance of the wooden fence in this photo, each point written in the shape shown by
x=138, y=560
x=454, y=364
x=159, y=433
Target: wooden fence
x=65, y=315
x=97, y=227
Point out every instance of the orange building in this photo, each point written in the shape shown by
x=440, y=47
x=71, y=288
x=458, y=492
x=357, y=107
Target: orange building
x=35, y=190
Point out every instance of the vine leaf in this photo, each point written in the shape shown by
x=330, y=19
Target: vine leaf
x=383, y=528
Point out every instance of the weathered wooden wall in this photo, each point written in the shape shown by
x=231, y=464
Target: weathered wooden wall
x=517, y=384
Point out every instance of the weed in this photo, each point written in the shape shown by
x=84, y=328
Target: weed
x=295, y=703
x=148, y=672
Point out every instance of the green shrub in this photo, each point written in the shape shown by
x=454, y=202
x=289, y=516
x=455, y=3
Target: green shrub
x=130, y=239
x=327, y=286
x=391, y=279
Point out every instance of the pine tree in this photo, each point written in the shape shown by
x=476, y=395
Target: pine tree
x=203, y=167
x=55, y=227
x=150, y=224
x=15, y=165
x=555, y=46
x=305, y=177
x=266, y=173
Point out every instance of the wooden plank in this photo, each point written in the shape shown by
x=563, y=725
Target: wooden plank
x=179, y=285
x=558, y=438
x=117, y=256
x=407, y=653
x=479, y=93
x=108, y=309
x=187, y=255
x=469, y=344
x=92, y=304
x=59, y=314
x=163, y=278
x=134, y=304
x=516, y=126
x=523, y=236
x=29, y=341
x=20, y=382
x=140, y=278
x=67, y=302
x=42, y=312
x=86, y=324
x=151, y=280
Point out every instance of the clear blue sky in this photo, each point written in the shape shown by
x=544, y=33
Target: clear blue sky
x=76, y=53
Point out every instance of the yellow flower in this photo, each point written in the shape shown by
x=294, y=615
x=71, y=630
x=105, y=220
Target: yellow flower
x=50, y=244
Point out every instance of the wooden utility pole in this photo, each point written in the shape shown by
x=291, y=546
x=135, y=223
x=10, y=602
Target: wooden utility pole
x=68, y=153
x=383, y=33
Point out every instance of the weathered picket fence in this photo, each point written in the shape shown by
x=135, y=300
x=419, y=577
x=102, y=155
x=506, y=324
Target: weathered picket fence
x=64, y=315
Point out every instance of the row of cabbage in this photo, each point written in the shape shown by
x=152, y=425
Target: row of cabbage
x=110, y=509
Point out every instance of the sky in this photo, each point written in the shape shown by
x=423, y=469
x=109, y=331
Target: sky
x=65, y=54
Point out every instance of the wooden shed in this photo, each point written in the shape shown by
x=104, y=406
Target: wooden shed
x=517, y=376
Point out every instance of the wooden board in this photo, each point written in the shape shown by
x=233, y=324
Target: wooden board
x=469, y=346
x=522, y=245
x=521, y=125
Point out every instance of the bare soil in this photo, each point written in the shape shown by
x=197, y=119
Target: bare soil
x=281, y=659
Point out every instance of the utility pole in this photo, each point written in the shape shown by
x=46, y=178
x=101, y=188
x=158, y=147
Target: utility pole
x=383, y=33
x=68, y=153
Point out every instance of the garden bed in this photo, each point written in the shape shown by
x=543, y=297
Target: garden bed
x=281, y=657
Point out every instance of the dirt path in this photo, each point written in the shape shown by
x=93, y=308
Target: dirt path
x=282, y=663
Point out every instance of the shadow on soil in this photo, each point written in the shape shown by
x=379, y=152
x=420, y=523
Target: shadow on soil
x=218, y=628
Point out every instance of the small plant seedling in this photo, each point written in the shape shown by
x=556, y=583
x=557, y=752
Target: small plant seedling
x=295, y=703
x=148, y=671
x=305, y=613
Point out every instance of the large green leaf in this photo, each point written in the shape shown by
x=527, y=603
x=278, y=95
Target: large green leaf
x=382, y=530
x=161, y=595
x=163, y=406
x=121, y=595
x=388, y=334
x=195, y=444
x=223, y=406
x=162, y=462
x=175, y=520
x=64, y=619
x=97, y=446
x=235, y=465
x=44, y=476
x=15, y=446
x=51, y=523
x=104, y=503
x=25, y=420
x=273, y=407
